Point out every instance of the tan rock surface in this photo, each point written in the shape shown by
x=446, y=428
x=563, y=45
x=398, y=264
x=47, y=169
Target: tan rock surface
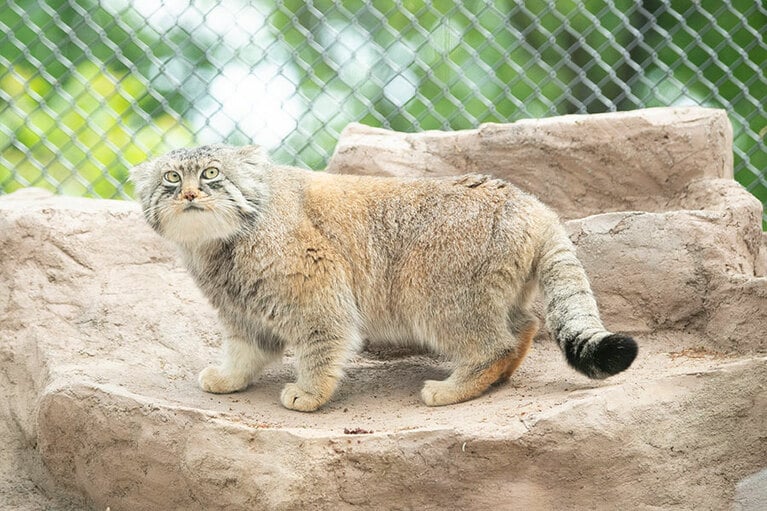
x=580, y=164
x=102, y=334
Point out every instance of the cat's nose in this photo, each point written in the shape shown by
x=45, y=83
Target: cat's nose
x=190, y=194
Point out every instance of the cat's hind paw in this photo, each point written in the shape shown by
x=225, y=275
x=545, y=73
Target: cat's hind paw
x=439, y=393
x=294, y=398
x=213, y=379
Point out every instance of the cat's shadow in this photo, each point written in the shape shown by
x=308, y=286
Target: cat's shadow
x=395, y=374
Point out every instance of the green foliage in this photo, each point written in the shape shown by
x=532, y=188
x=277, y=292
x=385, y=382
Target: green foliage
x=66, y=135
x=76, y=117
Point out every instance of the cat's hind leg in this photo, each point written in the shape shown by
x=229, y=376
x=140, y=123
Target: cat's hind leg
x=243, y=360
x=525, y=335
x=481, y=366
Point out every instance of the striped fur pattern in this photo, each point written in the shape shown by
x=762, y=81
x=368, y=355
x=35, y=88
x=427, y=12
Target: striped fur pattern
x=320, y=262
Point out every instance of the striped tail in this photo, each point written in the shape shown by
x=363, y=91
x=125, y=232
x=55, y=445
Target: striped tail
x=572, y=316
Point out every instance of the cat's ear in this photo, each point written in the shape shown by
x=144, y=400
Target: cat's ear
x=140, y=176
x=251, y=153
x=139, y=171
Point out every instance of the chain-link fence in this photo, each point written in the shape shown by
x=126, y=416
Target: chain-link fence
x=89, y=88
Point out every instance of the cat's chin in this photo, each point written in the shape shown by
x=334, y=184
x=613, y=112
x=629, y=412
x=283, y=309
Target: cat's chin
x=194, y=227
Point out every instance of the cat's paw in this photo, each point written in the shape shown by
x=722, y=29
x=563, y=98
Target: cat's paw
x=294, y=398
x=213, y=379
x=439, y=393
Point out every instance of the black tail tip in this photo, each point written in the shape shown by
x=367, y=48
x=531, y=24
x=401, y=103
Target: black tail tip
x=615, y=353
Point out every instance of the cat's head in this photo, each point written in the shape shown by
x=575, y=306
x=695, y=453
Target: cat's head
x=193, y=196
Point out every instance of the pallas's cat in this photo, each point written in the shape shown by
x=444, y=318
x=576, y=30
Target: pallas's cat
x=319, y=262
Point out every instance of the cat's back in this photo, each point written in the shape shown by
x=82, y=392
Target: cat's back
x=426, y=228
x=399, y=209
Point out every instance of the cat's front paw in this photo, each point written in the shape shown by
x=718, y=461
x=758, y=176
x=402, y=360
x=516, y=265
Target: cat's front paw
x=294, y=398
x=214, y=379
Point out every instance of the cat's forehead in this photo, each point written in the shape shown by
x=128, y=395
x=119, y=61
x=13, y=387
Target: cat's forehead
x=193, y=158
x=193, y=154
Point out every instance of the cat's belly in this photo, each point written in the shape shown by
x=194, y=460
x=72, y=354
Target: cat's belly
x=387, y=332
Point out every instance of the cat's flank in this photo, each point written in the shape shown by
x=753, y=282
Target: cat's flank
x=319, y=262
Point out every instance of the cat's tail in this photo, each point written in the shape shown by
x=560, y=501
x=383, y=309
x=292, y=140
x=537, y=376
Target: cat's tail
x=571, y=312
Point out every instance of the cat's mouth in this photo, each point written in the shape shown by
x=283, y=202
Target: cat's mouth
x=193, y=206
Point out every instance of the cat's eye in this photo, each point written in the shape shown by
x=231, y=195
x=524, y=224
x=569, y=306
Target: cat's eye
x=210, y=173
x=172, y=177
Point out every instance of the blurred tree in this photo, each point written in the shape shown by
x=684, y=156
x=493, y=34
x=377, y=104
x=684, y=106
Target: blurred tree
x=76, y=108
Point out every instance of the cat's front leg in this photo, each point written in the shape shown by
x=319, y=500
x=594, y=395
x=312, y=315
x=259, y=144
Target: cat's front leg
x=243, y=360
x=320, y=358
